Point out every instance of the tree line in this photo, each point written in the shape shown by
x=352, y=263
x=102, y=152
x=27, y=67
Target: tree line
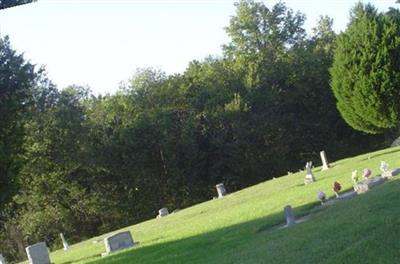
x=83, y=165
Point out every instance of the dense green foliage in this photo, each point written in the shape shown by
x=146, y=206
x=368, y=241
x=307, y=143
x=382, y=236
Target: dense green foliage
x=366, y=70
x=83, y=165
x=244, y=227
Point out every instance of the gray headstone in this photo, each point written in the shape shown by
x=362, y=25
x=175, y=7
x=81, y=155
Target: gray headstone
x=163, y=212
x=325, y=164
x=2, y=260
x=221, y=190
x=118, y=241
x=361, y=187
x=365, y=185
x=65, y=244
x=38, y=254
x=289, y=215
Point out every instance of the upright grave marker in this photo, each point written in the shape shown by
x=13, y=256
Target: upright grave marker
x=221, y=190
x=309, y=176
x=2, y=260
x=289, y=215
x=118, y=241
x=385, y=172
x=38, y=254
x=65, y=244
x=325, y=164
x=354, y=176
x=163, y=212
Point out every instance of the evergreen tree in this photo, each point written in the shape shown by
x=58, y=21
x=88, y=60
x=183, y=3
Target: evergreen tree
x=366, y=70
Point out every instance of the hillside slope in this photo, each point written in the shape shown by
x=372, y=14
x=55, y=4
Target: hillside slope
x=242, y=227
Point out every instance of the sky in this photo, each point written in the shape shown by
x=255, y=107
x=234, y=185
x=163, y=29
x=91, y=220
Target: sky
x=101, y=43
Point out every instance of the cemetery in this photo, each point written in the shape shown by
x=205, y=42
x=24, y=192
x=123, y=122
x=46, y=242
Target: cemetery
x=253, y=215
x=281, y=147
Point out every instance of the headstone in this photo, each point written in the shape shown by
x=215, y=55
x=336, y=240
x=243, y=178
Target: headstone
x=360, y=188
x=163, y=212
x=38, y=254
x=2, y=260
x=118, y=241
x=325, y=164
x=384, y=166
x=354, y=177
x=365, y=185
x=385, y=172
x=65, y=244
x=221, y=190
x=289, y=215
x=309, y=176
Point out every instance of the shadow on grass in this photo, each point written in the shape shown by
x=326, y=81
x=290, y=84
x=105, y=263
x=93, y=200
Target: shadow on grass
x=330, y=236
x=208, y=247
x=203, y=248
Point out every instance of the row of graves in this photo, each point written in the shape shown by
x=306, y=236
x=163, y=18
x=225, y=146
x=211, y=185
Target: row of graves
x=39, y=253
x=360, y=186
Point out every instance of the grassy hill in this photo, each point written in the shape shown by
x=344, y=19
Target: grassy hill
x=243, y=226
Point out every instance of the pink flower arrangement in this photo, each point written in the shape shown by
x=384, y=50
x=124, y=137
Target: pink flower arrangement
x=366, y=173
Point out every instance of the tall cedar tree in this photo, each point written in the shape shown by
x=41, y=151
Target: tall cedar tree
x=365, y=76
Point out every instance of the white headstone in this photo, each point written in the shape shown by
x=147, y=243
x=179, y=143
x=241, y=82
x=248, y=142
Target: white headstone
x=38, y=254
x=65, y=244
x=325, y=164
x=221, y=190
x=309, y=176
x=385, y=172
x=384, y=166
x=289, y=215
x=118, y=241
x=163, y=212
x=354, y=177
x=2, y=260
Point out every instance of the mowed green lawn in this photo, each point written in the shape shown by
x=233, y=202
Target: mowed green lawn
x=242, y=227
